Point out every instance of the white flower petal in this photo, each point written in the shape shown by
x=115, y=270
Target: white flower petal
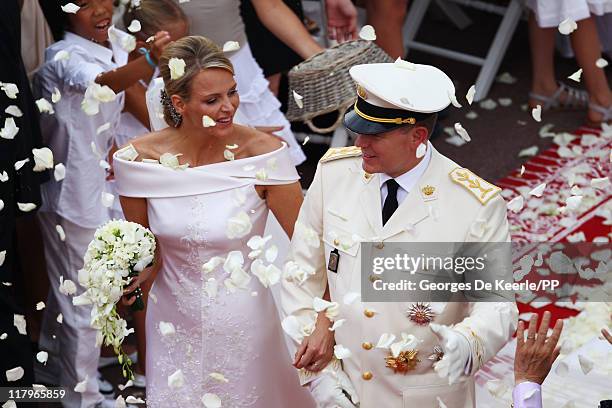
x=60, y=172
x=228, y=155
x=43, y=159
x=107, y=199
x=10, y=129
x=601, y=63
x=14, y=374
x=56, y=96
x=530, y=151
x=506, y=78
x=319, y=304
x=9, y=404
x=211, y=400
x=469, y=96
x=177, y=68
x=207, y=121
x=67, y=287
x=133, y=400
x=516, y=204
x=61, y=56
x=421, y=150
x=4, y=177
x=238, y=226
x=212, y=264
x=219, y=377
x=576, y=75
x=385, y=340
x=367, y=33
x=70, y=8
x=9, y=89
x=504, y=101
x=134, y=26
x=230, y=46
x=59, y=318
x=536, y=113
x=271, y=253
x=42, y=357
x=19, y=164
x=128, y=43
x=20, y=323
x=81, y=386
x=40, y=305
x=14, y=110
x=176, y=379
x=26, y=207
x=337, y=324
x=600, y=183
x=3, y=336
x=298, y=99
x=211, y=288
x=44, y=106
x=166, y=329
x=567, y=26
x=341, y=352
x=538, y=191
x=261, y=174
x=128, y=153
x=462, y=132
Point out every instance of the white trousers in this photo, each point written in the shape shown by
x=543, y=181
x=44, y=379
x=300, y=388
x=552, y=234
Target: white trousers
x=71, y=345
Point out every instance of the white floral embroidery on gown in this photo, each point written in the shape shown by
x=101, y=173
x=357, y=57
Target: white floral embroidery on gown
x=234, y=334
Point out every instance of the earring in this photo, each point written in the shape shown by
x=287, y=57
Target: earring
x=177, y=118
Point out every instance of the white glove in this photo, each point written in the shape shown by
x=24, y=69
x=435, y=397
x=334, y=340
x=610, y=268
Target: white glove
x=457, y=353
x=327, y=390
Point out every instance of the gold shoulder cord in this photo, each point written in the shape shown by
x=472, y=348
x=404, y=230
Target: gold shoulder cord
x=398, y=121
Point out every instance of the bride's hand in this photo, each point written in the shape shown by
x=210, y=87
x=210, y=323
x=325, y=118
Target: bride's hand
x=316, y=350
x=128, y=297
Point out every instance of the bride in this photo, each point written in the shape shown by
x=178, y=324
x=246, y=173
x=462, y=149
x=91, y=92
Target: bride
x=204, y=187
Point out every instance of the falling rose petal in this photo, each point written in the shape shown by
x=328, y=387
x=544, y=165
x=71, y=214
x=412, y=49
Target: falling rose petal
x=218, y=377
x=14, y=374
x=530, y=151
x=59, y=318
x=421, y=150
x=601, y=63
x=573, y=202
x=134, y=26
x=567, y=26
x=576, y=75
x=4, y=177
x=9, y=89
x=3, y=336
x=538, y=191
x=128, y=384
x=504, y=101
x=42, y=357
x=522, y=171
x=44, y=106
x=10, y=129
x=337, y=324
x=40, y=305
x=232, y=146
x=367, y=33
x=320, y=305
x=67, y=287
x=19, y=164
x=230, y=46
x=469, y=96
x=600, y=183
x=506, y=78
x=385, y=340
x=536, y=113
x=26, y=207
x=166, y=329
x=516, y=204
x=62, y=55
x=1, y=206
x=298, y=99
x=60, y=172
x=238, y=226
x=207, y=121
x=341, y=352
x=128, y=43
x=14, y=110
x=177, y=68
x=20, y=323
x=56, y=96
x=43, y=159
x=107, y=199
x=306, y=139
x=133, y=400
x=453, y=99
x=211, y=400
x=212, y=264
x=176, y=379
x=211, y=288
x=271, y=253
x=228, y=155
x=9, y=404
x=261, y=175
x=462, y=132
x=81, y=386
x=70, y=8
x=586, y=364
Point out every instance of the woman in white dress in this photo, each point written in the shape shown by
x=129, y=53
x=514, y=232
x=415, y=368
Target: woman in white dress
x=204, y=187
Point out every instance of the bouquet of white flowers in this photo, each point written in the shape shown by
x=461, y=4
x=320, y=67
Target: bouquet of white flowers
x=119, y=251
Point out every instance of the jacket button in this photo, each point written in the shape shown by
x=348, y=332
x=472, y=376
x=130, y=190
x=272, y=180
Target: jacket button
x=368, y=313
x=366, y=345
x=380, y=245
x=374, y=278
x=336, y=242
x=367, y=375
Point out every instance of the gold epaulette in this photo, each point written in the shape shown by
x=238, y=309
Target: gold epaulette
x=340, y=152
x=482, y=189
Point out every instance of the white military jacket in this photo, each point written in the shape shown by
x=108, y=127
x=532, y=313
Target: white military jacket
x=448, y=204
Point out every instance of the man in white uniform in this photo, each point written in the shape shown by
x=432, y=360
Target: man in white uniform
x=393, y=187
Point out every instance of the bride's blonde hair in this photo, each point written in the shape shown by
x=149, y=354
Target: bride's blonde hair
x=198, y=53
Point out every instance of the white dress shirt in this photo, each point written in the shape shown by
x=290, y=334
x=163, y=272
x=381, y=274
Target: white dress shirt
x=70, y=133
x=407, y=180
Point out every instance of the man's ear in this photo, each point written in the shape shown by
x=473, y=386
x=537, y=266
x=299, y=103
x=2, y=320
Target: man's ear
x=420, y=134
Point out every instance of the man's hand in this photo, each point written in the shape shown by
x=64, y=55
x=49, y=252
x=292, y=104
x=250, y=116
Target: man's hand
x=535, y=355
x=330, y=390
x=456, y=352
x=341, y=20
x=316, y=350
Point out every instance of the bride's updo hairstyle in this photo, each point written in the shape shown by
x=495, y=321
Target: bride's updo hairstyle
x=198, y=53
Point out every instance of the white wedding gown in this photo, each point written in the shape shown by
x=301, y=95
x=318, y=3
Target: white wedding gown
x=237, y=335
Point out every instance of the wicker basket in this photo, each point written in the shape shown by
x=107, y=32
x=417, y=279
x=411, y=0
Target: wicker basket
x=324, y=82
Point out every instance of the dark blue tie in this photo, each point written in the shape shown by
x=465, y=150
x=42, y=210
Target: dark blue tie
x=391, y=201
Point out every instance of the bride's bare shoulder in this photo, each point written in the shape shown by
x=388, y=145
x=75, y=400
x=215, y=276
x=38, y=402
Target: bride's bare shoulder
x=257, y=142
x=151, y=145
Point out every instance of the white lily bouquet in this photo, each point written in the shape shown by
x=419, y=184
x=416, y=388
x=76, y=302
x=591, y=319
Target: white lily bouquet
x=119, y=251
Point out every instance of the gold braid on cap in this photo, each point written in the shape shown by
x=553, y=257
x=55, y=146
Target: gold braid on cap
x=397, y=121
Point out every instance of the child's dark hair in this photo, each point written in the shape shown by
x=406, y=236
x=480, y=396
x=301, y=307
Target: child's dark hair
x=153, y=15
x=56, y=17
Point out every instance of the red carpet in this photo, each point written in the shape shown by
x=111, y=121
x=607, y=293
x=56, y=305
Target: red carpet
x=550, y=167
